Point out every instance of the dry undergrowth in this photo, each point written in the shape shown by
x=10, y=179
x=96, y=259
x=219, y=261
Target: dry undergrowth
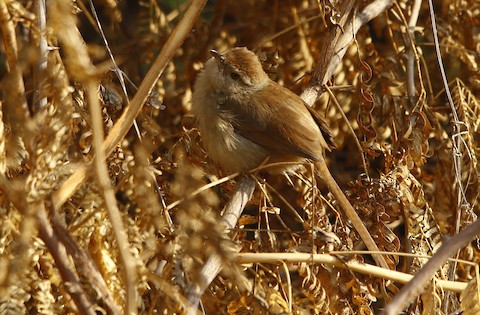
x=399, y=169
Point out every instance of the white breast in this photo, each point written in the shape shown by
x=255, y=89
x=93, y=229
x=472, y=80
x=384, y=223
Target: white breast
x=229, y=149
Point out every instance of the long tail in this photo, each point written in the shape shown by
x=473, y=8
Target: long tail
x=323, y=172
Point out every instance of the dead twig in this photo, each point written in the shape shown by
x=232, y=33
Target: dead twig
x=128, y=261
x=84, y=263
x=85, y=73
x=416, y=285
x=338, y=43
x=353, y=265
x=59, y=254
x=214, y=264
x=40, y=100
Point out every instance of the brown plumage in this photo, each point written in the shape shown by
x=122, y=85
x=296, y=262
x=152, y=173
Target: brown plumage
x=245, y=117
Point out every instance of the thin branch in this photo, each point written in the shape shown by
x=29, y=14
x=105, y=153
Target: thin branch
x=39, y=99
x=289, y=284
x=286, y=30
x=290, y=208
x=355, y=138
x=41, y=14
x=119, y=73
x=62, y=262
x=128, y=262
x=202, y=189
x=413, y=58
x=353, y=265
x=399, y=254
x=214, y=264
x=333, y=55
x=414, y=287
x=411, y=53
x=84, y=264
x=458, y=125
x=55, y=247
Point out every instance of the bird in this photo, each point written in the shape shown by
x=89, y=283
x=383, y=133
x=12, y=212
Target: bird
x=246, y=118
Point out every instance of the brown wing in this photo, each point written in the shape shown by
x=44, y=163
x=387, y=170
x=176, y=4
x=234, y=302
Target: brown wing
x=322, y=124
x=280, y=122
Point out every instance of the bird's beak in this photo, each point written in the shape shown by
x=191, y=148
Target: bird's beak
x=216, y=54
x=219, y=58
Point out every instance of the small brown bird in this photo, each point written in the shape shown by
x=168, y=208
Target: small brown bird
x=246, y=118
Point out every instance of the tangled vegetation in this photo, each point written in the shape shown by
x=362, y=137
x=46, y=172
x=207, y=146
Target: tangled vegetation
x=104, y=214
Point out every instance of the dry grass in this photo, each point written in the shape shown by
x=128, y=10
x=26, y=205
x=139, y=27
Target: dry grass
x=80, y=233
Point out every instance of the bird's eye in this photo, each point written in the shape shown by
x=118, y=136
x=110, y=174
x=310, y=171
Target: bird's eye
x=235, y=76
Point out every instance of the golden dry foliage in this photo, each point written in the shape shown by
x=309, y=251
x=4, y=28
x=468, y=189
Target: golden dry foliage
x=470, y=296
x=399, y=169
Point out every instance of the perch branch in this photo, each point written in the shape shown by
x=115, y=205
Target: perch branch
x=214, y=265
x=339, y=42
